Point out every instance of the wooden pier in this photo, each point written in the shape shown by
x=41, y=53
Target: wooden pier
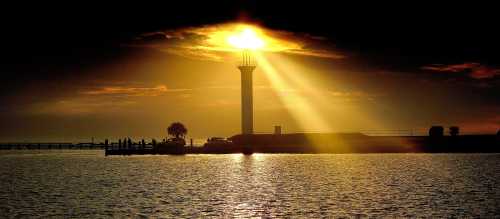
x=49, y=146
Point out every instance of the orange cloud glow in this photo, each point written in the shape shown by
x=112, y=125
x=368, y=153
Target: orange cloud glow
x=474, y=69
x=132, y=91
x=212, y=41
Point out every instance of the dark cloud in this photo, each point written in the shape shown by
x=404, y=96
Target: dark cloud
x=472, y=69
x=154, y=37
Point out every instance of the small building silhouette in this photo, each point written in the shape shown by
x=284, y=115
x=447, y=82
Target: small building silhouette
x=454, y=130
x=436, y=131
x=277, y=130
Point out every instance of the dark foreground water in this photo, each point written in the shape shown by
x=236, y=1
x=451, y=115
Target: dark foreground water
x=87, y=184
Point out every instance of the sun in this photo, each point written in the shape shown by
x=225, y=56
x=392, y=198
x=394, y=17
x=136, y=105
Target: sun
x=246, y=39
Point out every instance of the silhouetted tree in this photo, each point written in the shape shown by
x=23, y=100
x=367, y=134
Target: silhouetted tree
x=454, y=130
x=143, y=144
x=129, y=142
x=119, y=144
x=177, y=129
x=436, y=131
x=106, y=144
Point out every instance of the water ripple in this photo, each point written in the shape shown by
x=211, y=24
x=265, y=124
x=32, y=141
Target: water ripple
x=85, y=184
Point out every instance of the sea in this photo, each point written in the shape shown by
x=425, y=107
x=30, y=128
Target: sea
x=87, y=184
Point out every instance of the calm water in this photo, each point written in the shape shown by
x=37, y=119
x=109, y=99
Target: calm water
x=87, y=184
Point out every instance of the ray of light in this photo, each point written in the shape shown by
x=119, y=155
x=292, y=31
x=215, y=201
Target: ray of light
x=321, y=98
x=299, y=106
x=301, y=109
x=308, y=103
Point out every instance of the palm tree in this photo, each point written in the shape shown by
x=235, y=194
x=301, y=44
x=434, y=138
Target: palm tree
x=177, y=129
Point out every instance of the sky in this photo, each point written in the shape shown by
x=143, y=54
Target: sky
x=73, y=71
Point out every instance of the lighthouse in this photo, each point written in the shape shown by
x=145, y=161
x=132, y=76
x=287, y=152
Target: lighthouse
x=247, y=41
x=246, y=67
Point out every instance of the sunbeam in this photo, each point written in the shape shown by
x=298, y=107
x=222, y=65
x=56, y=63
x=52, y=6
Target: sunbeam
x=322, y=98
x=301, y=108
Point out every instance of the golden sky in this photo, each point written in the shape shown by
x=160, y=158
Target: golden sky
x=212, y=41
x=302, y=82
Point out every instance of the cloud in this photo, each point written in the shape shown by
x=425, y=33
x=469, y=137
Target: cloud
x=484, y=72
x=210, y=42
x=80, y=106
x=452, y=68
x=355, y=95
x=131, y=91
x=221, y=103
x=473, y=69
x=336, y=95
x=110, y=97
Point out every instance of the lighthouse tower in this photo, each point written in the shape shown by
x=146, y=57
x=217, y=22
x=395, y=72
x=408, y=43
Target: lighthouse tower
x=246, y=67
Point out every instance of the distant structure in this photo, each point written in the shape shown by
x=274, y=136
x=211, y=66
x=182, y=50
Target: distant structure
x=436, y=131
x=246, y=67
x=277, y=130
x=454, y=130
